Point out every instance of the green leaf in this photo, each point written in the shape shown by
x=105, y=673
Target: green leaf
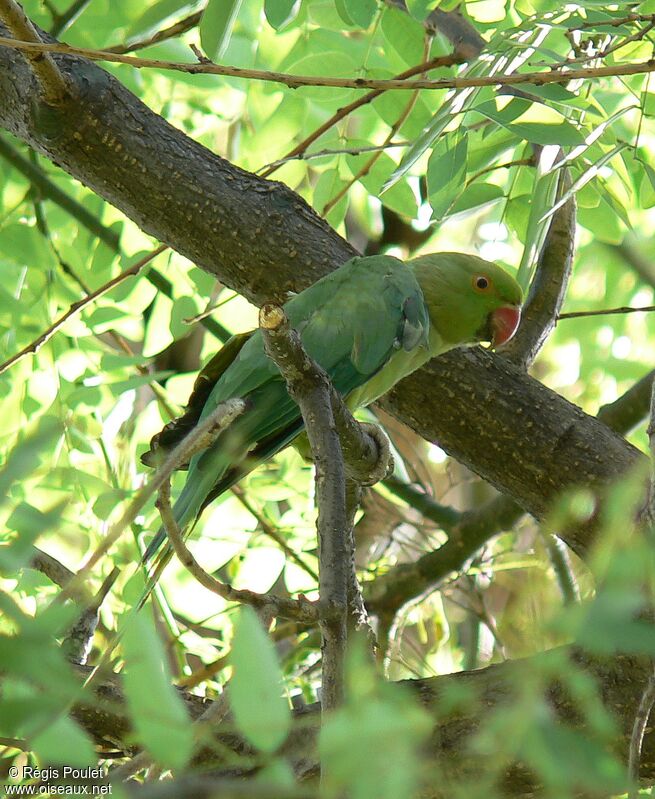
x=404, y=34
x=544, y=192
x=400, y=197
x=517, y=116
x=160, y=719
x=647, y=186
x=29, y=523
x=25, y=458
x=183, y=308
x=370, y=747
x=342, y=11
x=63, y=741
x=280, y=12
x=420, y=9
x=327, y=187
x=446, y=172
x=584, y=178
x=216, y=26
x=439, y=123
x=361, y=12
x=475, y=196
x=156, y=14
x=256, y=689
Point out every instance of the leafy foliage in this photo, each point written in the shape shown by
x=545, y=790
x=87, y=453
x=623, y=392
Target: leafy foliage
x=474, y=168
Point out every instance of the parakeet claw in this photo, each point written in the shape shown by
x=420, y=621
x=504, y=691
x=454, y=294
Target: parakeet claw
x=384, y=466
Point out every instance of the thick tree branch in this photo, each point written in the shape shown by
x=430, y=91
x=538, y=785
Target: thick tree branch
x=621, y=682
x=631, y=408
x=245, y=230
x=523, y=438
x=263, y=240
x=548, y=287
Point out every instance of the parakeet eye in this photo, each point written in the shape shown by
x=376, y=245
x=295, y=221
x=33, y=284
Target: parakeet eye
x=481, y=283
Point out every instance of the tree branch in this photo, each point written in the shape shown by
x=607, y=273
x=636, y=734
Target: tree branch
x=294, y=81
x=548, y=287
x=261, y=239
x=621, y=679
x=78, y=306
x=51, y=83
x=300, y=149
x=628, y=410
x=298, y=610
x=522, y=437
x=309, y=387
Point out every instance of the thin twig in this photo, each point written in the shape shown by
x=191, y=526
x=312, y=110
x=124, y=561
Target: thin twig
x=443, y=515
x=295, y=81
x=635, y=37
x=77, y=643
x=299, y=150
x=51, y=82
x=220, y=418
x=638, y=731
x=299, y=610
x=204, y=673
x=560, y=560
x=54, y=570
x=607, y=312
x=272, y=532
x=304, y=156
x=507, y=165
x=123, y=772
x=76, y=307
x=176, y=29
x=79, y=638
x=370, y=163
x=617, y=21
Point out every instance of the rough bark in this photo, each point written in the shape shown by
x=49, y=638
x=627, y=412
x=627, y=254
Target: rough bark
x=522, y=437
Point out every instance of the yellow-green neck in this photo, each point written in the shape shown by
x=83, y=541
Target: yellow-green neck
x=398, y=366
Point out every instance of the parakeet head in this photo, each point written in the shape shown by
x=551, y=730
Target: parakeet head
x=469, y=299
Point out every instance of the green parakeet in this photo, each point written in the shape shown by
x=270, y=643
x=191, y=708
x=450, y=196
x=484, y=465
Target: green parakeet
x=370, y=323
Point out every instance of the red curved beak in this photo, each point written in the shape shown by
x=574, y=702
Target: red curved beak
x=504, y=322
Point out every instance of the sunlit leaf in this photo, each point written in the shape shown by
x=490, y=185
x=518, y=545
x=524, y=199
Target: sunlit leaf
x=446, y=172
x=517, y=117
x=25, y=457
x=403, y=34
x=160, y=719
x=63, y=741
x=256, y=689
x=216, y=26
x=280, y=12
x=361, y=12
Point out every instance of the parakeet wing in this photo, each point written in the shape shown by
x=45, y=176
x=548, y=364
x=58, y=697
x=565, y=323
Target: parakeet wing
x=351, y=322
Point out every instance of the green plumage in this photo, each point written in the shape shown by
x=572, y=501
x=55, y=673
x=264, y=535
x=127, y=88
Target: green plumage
x=368, y=324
